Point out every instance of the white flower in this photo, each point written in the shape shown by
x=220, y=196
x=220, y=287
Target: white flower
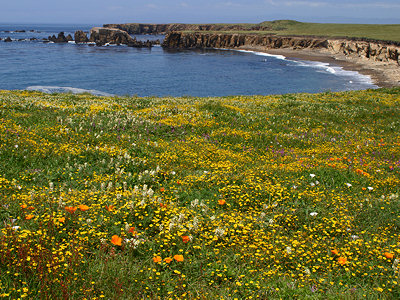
x=316, y=182
x=370, y=188
x=288, y=250
x=312, y=175
x=355, y=237
x=313, y=214
x=348, y=184
x=294, y=187
x=312, y=184
x=15, y=228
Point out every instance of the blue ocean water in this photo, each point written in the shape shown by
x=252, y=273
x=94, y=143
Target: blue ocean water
x=122, y=70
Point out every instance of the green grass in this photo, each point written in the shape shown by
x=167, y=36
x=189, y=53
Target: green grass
x=271, y=197
x=288, y=27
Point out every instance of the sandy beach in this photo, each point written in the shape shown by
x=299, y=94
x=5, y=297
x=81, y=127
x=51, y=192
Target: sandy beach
x=383, y=74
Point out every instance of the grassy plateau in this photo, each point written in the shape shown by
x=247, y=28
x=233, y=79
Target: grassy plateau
x=384, y=32
x=289, y=196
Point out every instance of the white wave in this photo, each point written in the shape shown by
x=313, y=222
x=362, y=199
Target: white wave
x=277, y=56
x=336, y=70
x=65, y=89
x=324, y=67
x=71, y=42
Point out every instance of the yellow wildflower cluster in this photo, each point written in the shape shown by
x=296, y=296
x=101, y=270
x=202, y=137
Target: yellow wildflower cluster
x=235, y=197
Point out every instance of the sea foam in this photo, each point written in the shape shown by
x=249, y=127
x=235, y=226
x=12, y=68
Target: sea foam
x=63, y=89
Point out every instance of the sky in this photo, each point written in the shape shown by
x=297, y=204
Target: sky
x=190, y=11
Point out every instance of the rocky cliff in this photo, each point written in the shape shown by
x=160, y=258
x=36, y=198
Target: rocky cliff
x=137, y=28
x=372, y=50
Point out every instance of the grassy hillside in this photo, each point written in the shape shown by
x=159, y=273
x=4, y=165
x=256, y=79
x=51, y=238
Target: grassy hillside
x=292, y=196
x=288, y=27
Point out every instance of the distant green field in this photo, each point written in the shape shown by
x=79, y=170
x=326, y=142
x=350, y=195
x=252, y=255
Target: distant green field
x=287, y=27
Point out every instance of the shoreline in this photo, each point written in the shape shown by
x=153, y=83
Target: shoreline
x=384, y=75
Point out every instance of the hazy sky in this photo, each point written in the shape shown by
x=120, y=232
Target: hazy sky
x=190, y=11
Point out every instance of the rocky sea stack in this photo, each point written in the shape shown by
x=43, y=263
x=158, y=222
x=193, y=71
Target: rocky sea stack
x=102, y=36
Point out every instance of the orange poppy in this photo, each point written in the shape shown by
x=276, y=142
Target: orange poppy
x=83, y=207
x=162, y=190
x=28, y=217
x=168, y=260
x=116, y=240
x=157, y=259
x=178, y=257
x=335, y=252
x=110, y=207
x=61, y=220
x=388, y=255
x=185, y=238
x=70, y=209
x=31, y=208
x=221, y=202
x=132, y=230
x=24, y=206
x=342, y=260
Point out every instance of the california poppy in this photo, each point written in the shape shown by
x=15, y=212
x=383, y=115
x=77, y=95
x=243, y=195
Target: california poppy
x=178, y=257
x=168, y=260
x=28, y=217
x=132, y=230
x=335, y=252
x=162, y=190
x=116, y=240
x=110, y=207
x=221, y=202
x=70, y=209
x=185, y=238
x=83, y=207
x=388, y=255
x=342, y=260
x=24, y=206
x=157, y=259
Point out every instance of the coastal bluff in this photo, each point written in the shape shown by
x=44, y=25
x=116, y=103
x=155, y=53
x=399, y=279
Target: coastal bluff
x=139, y=28
x=378, y=51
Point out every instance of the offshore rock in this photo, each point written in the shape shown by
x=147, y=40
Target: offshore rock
x=69, y=38
x=102, y=36
x=80, y=37
x=59, y=39
x=8, y=39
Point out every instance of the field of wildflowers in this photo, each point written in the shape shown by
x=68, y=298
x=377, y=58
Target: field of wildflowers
x=235, y=197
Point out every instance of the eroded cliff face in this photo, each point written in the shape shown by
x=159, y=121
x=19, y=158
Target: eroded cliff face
x=376, y=50
x=137, y=28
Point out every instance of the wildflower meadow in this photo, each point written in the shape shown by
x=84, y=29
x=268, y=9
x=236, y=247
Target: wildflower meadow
x=240, y=197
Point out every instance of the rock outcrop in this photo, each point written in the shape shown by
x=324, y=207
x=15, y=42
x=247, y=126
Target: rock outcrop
x=102, y=36
x=373, y=50
x=80, y=37
x=8, y=39
x=138, y=28
x=61, y=38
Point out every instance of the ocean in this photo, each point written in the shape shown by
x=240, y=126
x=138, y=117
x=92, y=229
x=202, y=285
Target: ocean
x=121, y=70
